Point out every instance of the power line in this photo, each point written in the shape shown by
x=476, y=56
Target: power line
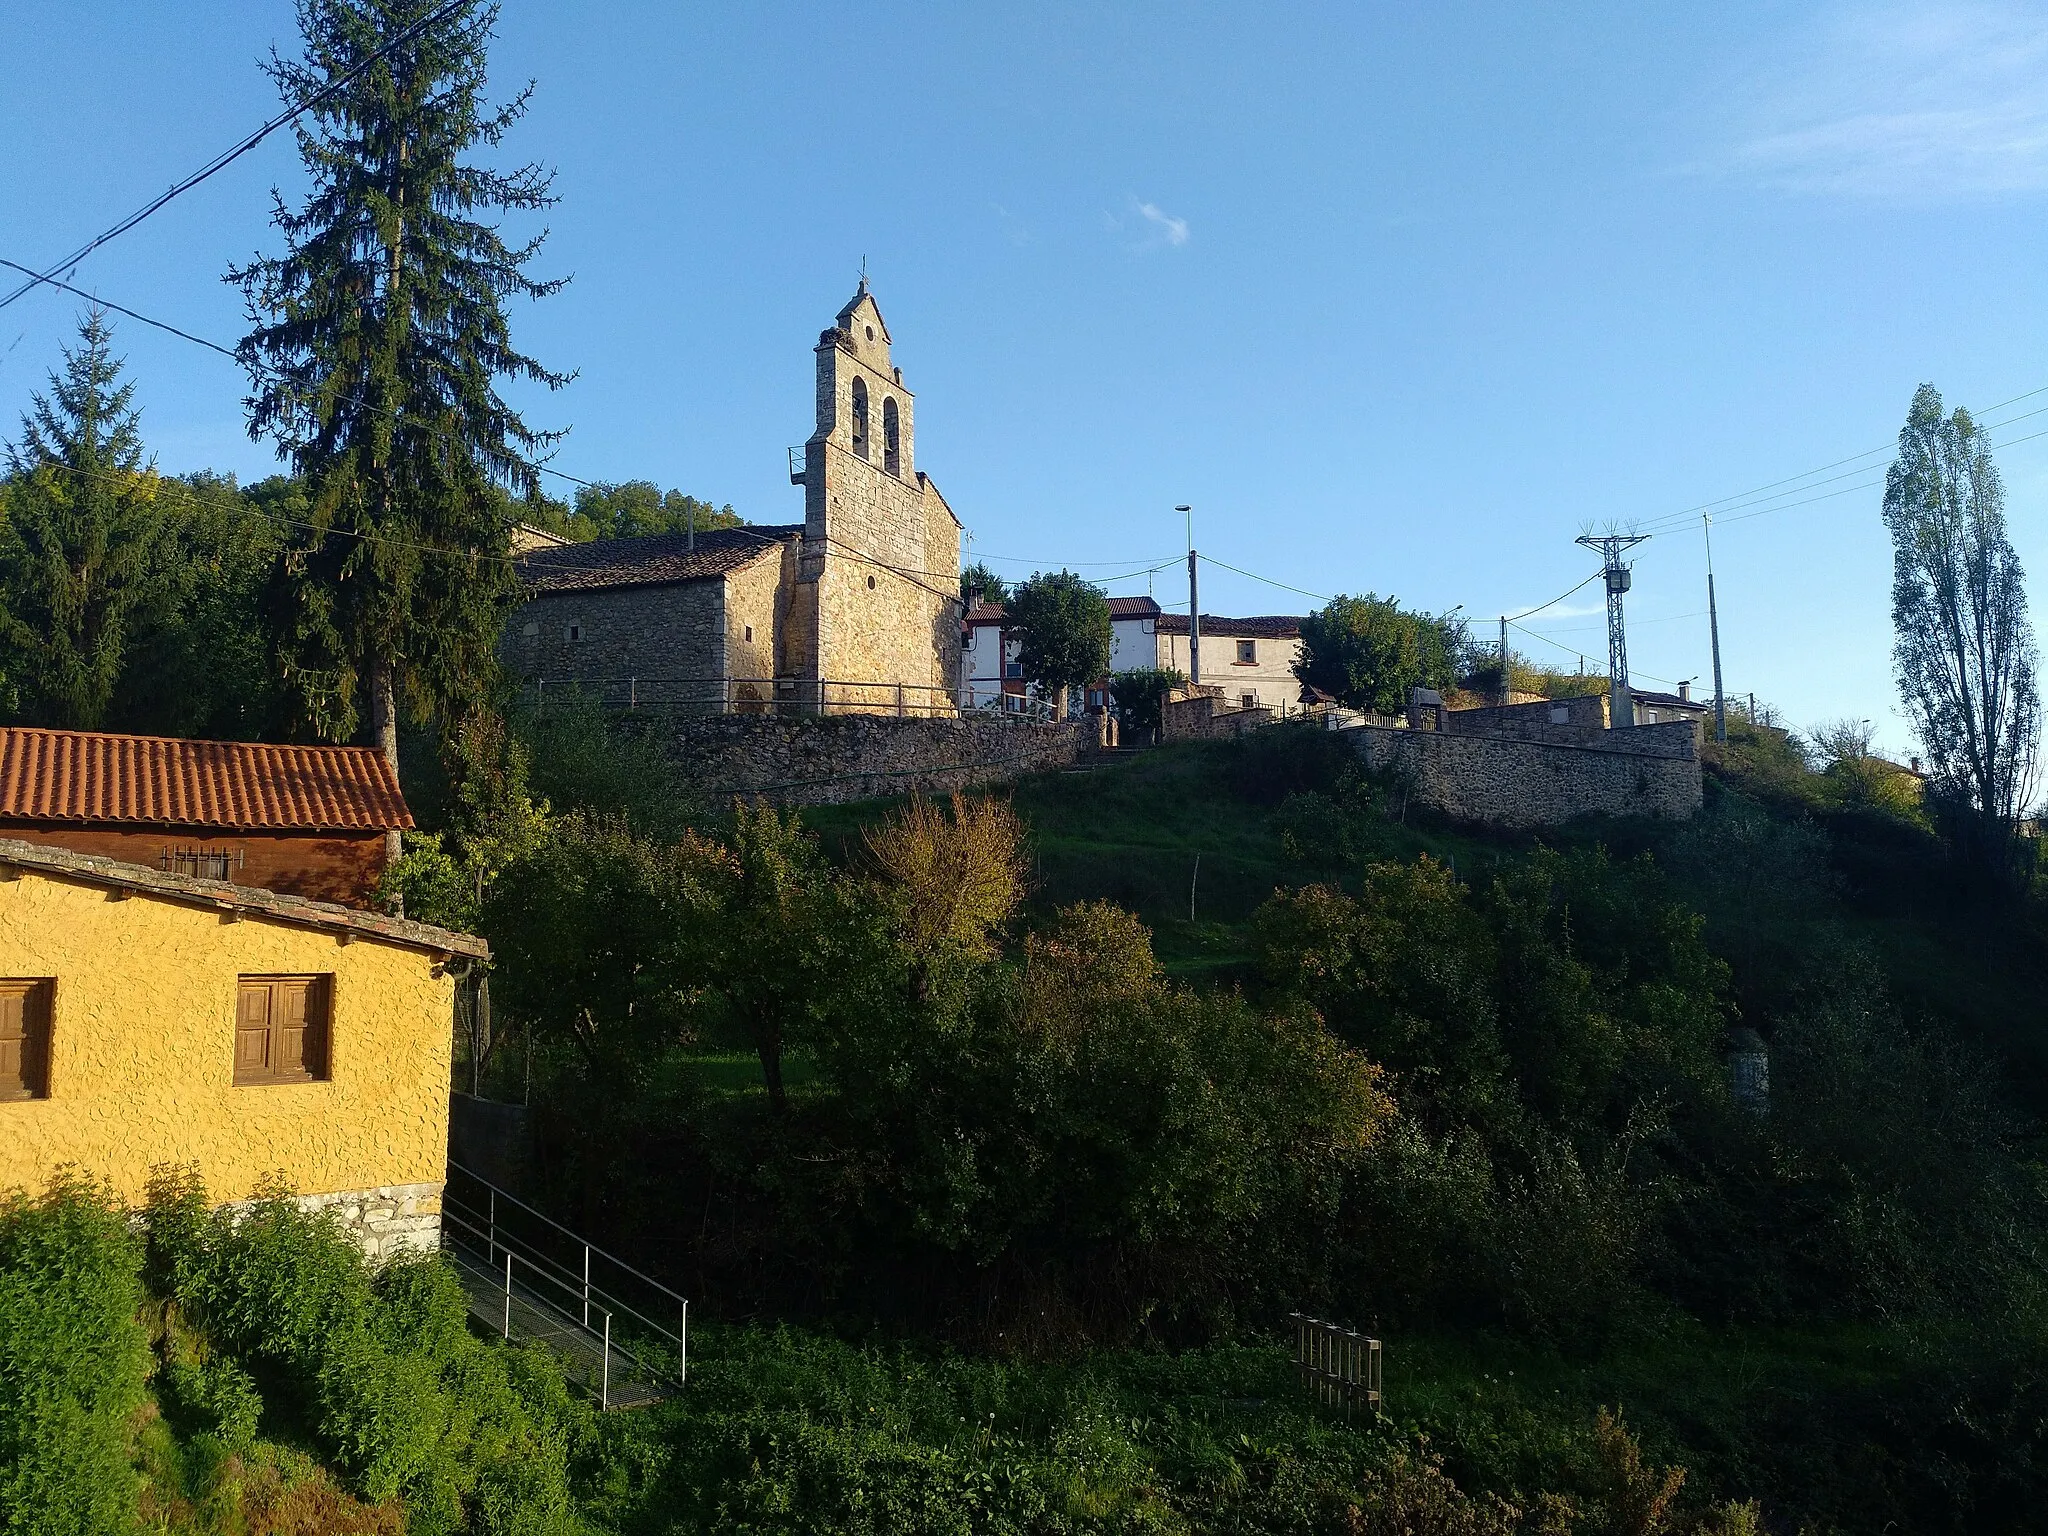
x=1555, y=600
x=228, y=156
x=1269, y=581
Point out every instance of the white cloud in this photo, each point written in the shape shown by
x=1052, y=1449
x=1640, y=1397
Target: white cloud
x=1930, y=100
x=1173, y=231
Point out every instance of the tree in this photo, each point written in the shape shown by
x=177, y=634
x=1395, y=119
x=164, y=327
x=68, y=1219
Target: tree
x=1141, y=695
x=633, y=508
x=379, y=340
x=1367, y=652
x=978, y=578
x=79, y=546
x=1062, y=625
x=1962, y=649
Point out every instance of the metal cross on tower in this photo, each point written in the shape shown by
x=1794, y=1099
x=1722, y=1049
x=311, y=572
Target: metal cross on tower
x=1621, y=708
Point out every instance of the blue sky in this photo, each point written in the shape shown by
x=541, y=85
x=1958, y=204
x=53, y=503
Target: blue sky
x=1400, y=298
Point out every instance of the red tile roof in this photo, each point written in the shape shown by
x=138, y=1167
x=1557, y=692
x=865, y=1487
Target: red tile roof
x=1272, y=626
x=1119, y=608
x=650, y=560
x=91, y=776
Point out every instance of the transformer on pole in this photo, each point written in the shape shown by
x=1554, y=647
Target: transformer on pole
x=1621, y=708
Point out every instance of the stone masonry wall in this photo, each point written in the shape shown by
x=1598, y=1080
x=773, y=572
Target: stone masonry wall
x=668, y=631
x=1579, y=721
x=835, y=758
x=1205, y=717
x=1516, y=783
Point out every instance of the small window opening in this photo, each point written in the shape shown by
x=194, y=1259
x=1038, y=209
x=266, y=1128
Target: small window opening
x=871, y=583
x=750, y=634
x=871, y=333
x=1248, y=700
x=860, y=417
x=891, y=459
x=281, y=1029
x=1247, y=651
x=573, y=632
x=204, y=863
x=25, y=1039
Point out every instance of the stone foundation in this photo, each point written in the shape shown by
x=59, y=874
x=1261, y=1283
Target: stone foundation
x=389, y=1220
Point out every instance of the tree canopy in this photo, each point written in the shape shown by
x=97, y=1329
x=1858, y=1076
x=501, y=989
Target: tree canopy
x=380, y=337
x=1062, y=625
x=1367, y=652
x=79, y=542
x=1963, y=648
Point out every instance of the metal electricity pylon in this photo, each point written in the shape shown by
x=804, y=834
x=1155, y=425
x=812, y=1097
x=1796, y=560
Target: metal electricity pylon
x=1621, y=708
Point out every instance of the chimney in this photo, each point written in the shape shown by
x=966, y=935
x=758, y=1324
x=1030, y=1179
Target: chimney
x=1916, y=765
x=1685, y=690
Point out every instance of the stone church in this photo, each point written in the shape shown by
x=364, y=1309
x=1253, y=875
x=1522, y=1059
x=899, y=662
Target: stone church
x=854, y=610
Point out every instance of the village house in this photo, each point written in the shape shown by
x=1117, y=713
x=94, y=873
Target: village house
x=151, y=1018
x=854, y=610
x=1251, y=661
x=309, y=821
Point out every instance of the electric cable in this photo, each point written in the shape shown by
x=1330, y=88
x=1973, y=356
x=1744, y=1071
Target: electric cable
x=228, y=156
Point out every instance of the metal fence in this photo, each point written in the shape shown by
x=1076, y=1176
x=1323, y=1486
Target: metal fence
x=788, y=696
x=1336, y=1364
x=530, y=1277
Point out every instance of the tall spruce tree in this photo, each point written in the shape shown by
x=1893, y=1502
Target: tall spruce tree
x=79, y=542
x=1963, y=649
x=380, y=338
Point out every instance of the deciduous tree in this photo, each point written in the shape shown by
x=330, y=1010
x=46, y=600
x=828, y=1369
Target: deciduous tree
x=1062, y=625
x=1367, y=652
x=1962, y=649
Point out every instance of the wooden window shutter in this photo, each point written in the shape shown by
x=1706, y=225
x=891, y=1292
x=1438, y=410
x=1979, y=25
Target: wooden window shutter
x=25, y=1039
x=281, y=1027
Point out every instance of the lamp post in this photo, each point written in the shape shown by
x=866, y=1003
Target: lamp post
x=1194, y=607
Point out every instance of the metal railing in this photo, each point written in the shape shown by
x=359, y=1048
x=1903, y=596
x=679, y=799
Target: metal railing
x=541, y=1280
x=789, y=696
x=1336, y=1364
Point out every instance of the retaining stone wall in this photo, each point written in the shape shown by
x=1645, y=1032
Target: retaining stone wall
x=1516, y=783
x=389, y=1220
x=836, y=758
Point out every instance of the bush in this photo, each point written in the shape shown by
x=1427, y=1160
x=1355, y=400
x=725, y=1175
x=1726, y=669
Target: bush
x=73, y=1360
x=382, y=1368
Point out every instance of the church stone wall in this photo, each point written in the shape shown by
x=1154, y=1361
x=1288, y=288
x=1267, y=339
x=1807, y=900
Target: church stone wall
x=1512, y=782
x=666, y=631
x=837, y=758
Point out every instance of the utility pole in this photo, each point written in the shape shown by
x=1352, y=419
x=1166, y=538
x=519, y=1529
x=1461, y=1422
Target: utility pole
x=1194, y=607
x=1503, y=699
x=1714, y=634
x=1621, y=709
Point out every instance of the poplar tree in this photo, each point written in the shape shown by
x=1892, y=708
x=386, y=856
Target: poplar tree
x=1963, y=649
x=79, y=541
x=378, y=345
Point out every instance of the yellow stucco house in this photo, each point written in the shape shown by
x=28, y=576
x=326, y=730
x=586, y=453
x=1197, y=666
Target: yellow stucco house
x=149, y=1017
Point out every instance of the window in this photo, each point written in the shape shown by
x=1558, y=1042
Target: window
x=891, y=460
x=1248, y=700
x=750, y=634
x=205, y=863
x=281, y=1029
x=25, y=1039
x=1247, y=652
x=1013, y=669
x=871, y=583
x=573, y=632
x=860, y=417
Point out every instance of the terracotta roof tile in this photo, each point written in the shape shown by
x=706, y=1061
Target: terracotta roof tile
x=92, y=776
x=1272, y=626
x=650, y=560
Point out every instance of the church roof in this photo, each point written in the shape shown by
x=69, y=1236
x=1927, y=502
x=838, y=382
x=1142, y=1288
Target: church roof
x=651, y=560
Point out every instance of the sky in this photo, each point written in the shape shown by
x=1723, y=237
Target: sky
x=1400, y=299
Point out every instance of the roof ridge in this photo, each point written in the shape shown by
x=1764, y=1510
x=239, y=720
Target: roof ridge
x=17, y=855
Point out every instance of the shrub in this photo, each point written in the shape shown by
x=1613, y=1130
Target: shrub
x=73, y=1360
x=381, y=1367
